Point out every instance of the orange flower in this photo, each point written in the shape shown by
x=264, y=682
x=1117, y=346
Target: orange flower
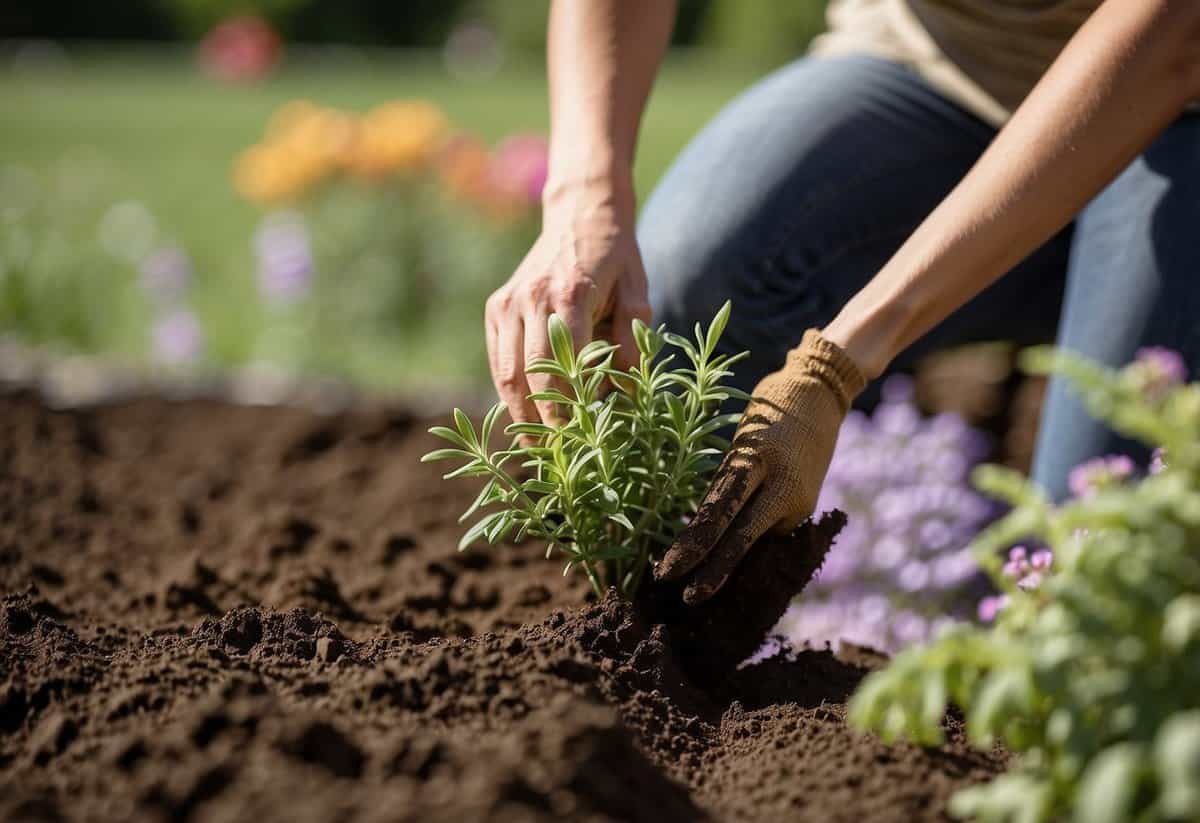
x=464, y=167
x=304, y=145
x=402, y=136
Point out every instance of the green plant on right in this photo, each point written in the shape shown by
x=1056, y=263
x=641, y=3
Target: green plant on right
x=1093, y=677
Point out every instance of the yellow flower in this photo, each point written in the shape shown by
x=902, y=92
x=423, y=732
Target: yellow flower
x=401, y=136
x=304, y=145
x=261, y=175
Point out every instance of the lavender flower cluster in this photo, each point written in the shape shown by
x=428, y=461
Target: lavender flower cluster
x=285, y=259
x=177, y=337
x=901, y=569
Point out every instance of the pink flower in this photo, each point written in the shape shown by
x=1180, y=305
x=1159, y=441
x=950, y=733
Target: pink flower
x=1164, y=366
x=240, y=49
x=1158, y=461
x=1030, y=581
x=519, y=167
x=1017, y=564
x=1099, y=473
x=1042, y=559
x=989, y=607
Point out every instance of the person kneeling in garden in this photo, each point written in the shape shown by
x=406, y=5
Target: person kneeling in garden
x=933, y=173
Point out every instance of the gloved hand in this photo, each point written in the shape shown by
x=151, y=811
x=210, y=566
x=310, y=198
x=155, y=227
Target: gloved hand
x=772, y=473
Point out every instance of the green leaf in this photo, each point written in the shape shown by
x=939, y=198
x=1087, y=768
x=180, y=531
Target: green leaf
x=683, y=344
x=621, y=519
x=562, y=344
x=500, y=526
x=552, y=396
x=445, y=454
x=478, y=529
x=934, y=697
x=489, y=422
x=539, y=486
x=451, y=435
x=465, y=429
x=714, y=423
x=543, y=366
x=476, y=468
x=1004, y=693
x=596, y=351
x=1177, y=760
x=1108, y=788
x=716, y=328
x=678, y=415
x=1181, y=622
x=532, y=429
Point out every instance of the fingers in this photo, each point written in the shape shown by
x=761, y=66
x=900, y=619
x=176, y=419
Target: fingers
x=629, y=308
x=751, y=523
x=537, y=347
x=574, y=304
x=737, y=478
x=506, y=356
x=632, y=303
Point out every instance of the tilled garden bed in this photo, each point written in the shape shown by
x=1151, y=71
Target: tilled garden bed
x=216, y=612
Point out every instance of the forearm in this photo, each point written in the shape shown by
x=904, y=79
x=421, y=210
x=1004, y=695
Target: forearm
x=602, y=55
x=1121, y=80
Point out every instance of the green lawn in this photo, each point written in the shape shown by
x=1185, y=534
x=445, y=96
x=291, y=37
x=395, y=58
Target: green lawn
x=172, y=133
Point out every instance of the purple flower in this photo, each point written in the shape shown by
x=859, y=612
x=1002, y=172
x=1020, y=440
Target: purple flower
x=897, y=418
x=1030, y=581
x=178, y=338
x=954, y=569
x=898, y=388
x=1017, y=565
x=1042, y=559
x=1158, y=461
x=990, y=606
x=285, y=260
x=1162, y=368
x=913, y=576
x=910, y=628
x=166, y=274
x=1092, y=476
x=900, y=568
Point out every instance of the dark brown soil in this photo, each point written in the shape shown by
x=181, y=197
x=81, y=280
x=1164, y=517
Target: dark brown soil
x=212, y=612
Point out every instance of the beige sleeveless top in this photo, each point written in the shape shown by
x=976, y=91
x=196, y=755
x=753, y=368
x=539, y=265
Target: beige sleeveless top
x=985, y=54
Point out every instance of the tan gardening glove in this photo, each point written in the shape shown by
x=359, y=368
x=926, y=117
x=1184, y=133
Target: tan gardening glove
x=772, y=474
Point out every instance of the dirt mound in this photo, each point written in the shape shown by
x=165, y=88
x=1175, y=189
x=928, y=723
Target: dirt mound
x=213, y=612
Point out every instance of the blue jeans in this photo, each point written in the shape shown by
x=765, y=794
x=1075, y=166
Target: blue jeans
x=792, y=198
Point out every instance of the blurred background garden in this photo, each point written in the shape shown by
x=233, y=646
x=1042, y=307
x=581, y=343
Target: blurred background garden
x=302, y=187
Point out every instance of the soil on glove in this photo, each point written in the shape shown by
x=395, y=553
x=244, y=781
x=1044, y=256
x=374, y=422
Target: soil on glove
x=212, y=612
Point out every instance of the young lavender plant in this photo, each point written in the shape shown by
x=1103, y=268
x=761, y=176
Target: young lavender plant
x=616, y=482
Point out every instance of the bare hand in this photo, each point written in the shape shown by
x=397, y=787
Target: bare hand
x=585, y=267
